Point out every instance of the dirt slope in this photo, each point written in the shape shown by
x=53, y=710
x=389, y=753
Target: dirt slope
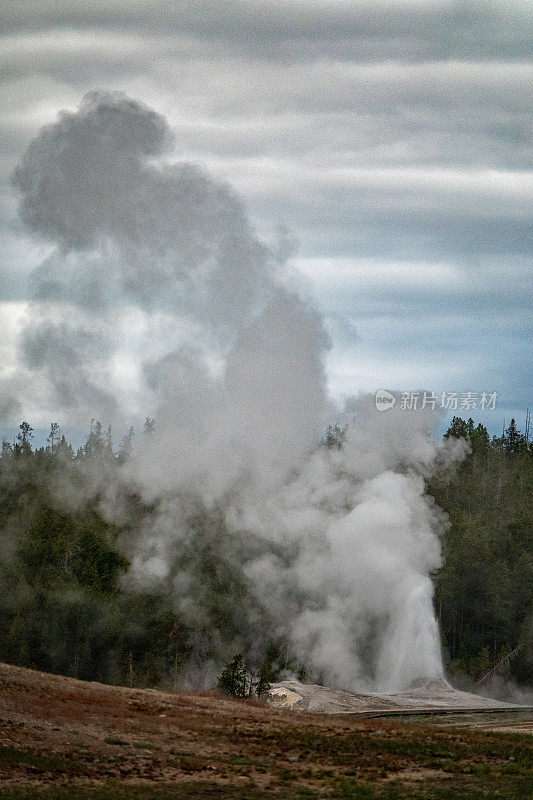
x=105, y=742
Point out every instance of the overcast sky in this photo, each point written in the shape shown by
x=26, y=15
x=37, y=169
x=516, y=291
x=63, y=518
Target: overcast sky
x=391, y=140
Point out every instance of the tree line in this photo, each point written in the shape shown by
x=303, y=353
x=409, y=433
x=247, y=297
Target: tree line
x=66, y=606
x=484, y=590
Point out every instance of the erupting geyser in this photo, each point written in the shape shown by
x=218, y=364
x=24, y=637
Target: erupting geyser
x=336, y=544
x=412, y=639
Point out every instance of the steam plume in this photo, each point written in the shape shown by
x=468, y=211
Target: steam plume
x=336, y=545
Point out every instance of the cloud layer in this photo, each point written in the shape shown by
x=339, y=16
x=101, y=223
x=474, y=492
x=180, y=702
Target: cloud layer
x=391, y=139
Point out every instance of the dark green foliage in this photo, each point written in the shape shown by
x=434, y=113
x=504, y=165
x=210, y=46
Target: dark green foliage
x=210, y=555
x=25, y=432
x=232, y=680
x=62, y=551
x=65, y=606
x=266, y=675
x=484, y=591
x=240, y=679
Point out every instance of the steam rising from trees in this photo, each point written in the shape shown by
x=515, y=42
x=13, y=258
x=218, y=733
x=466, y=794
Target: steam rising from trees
x=335, y=544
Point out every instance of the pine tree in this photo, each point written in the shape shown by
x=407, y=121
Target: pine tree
x=108, y=445
x=94, y=445
x=265, y=676
x=53, y=435
x=126, y=445
x=513, y=439
x=334, y=436
x=24, y=436
x=64, y=449
x=232, y=679
x=457, y=430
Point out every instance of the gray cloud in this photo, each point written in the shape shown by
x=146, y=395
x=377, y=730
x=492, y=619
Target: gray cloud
x=441, y=112
x=342, y=29
x=393, y=131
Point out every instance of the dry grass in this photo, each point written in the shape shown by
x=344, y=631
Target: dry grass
x=61, y=738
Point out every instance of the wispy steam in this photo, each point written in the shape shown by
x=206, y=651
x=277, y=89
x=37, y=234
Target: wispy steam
x=335, y=545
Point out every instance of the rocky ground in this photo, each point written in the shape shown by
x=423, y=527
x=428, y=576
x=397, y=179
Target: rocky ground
x=66, y=739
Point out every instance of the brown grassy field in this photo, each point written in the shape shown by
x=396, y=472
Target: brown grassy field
x=62, y=738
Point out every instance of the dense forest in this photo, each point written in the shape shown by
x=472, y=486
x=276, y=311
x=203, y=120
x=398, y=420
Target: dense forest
x=484, y=591
x=66, y=604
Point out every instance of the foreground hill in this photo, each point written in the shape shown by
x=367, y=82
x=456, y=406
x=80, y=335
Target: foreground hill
x=63, y=738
